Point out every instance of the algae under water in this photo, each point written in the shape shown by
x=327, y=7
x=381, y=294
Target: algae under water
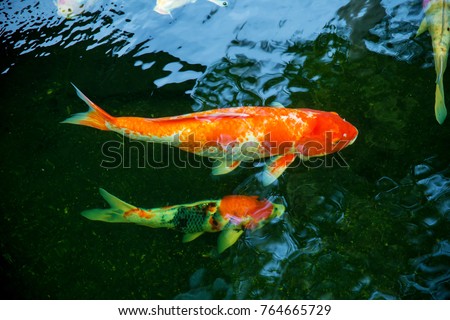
x=371, y=223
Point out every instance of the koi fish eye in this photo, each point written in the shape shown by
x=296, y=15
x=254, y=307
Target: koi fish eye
x=278, y=209
x=225, y=3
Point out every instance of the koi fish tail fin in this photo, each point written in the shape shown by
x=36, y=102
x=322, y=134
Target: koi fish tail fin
x=113, y=214
x=95, y=117
x=440, y=110
x=440, y=61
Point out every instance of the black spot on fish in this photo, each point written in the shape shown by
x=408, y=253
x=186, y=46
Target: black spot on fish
x=190, y=219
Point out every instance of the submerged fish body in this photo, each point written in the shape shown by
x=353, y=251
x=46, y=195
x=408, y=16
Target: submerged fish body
x=166, y=6
x=231, y=216
x=437, y=22
x=70, y=8
x=233, y=135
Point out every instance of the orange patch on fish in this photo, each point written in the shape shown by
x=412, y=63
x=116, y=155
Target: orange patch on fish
x=145, y=214
x=245, y=208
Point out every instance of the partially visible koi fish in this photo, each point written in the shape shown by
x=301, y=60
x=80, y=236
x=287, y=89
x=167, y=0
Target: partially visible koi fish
x=70, y=8
x=437, y=22
x=166, y=6
x=232, y=135
x=231, y=215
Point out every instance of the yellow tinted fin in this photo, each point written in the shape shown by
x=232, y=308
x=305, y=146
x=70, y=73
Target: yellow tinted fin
x=440, y=110
x=113, y=214
x=224, y=166
x=276, y=167
x=423, y=27
x=227, y=238
x=191, y=236
x=115, y=202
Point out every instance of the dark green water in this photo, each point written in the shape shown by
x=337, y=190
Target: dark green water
x=377, y=229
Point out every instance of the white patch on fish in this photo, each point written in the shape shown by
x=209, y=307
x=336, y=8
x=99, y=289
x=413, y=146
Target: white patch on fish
x=166, y=6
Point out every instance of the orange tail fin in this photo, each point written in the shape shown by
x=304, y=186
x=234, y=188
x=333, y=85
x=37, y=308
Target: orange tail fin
x=95, y=117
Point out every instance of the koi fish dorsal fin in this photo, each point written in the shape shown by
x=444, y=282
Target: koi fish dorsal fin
x=227, y=238
x=205, y=117
x=224, y=115
x=113, y=214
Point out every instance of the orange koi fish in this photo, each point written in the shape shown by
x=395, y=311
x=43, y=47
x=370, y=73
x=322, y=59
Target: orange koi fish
x=437, y=22
x=231, y=215
x=233, y=135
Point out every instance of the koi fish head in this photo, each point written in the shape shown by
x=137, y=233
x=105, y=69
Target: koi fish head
x=249, y=212
x=328, y=133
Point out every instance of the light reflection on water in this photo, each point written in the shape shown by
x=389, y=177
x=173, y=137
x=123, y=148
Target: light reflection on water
x=348, y=233
x=202, y=33
x=197, y=34
x=431, y=275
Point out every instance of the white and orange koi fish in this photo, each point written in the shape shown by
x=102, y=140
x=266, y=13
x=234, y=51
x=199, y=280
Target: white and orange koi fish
x=166, y=6
x=231, y=215
x=70, y=8
x=233, y=135
x=437, y=22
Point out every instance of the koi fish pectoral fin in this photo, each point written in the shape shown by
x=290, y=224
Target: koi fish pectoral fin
x=227, y=238
x=191, y=236
x=222, y=166
x=422, y=28
x=276, y=104
x=276, y=167
x=440, y=110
